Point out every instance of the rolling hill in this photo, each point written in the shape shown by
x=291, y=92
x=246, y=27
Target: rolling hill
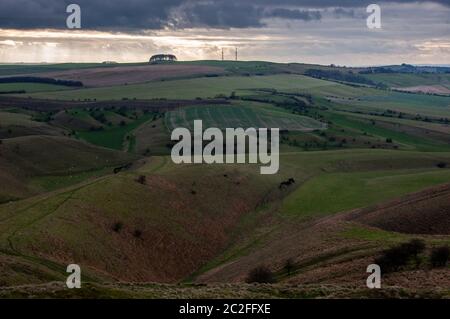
x=32, y=164
x=124, y=75
x=425, y=212
x=87, y=178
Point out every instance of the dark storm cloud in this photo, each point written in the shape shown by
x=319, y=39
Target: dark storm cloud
x=295, y=14
x=344, y=13
x=219, y=14
x=134, y=14
x=337, y=3
x=157, y=14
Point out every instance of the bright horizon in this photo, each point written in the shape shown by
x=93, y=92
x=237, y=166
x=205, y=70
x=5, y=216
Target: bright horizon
x=291, y=62
x=312, y=32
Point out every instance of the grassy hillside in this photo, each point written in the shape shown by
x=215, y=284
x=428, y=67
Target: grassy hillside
x=346, y=191
x=113, y=137
x=152, y=138
x=418, y=140
x=122, y=218
x=38, y=163
x=347, y=152
x=173, y=214
x=311, y=226
x=14, y=124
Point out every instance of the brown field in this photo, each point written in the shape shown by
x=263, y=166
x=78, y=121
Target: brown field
x=432, y=89
x=426, y=212
x=99, y=77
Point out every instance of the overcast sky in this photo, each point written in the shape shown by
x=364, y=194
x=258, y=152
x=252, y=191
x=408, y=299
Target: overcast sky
x=310, y=31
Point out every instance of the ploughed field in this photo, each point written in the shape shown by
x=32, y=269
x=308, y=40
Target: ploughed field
x=425, y=212
x=113, y=76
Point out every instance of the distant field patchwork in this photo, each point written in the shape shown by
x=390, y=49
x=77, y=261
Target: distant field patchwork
x=207, y=87
x=125, y=75
x=240, y=116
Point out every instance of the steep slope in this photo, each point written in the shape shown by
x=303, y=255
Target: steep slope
x=27, y=157
x=425, y=212
x=19, y=124
x=159, y=230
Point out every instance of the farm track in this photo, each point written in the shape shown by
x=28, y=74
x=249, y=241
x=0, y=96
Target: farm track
x=127, y=143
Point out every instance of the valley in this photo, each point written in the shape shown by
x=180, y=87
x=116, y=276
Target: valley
x=86, y=177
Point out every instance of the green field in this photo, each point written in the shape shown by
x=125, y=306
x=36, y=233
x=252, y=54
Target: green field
x=438, y=106
x=332, y=193
x=421, y=143
x=408, y=80
x=222, y=117
x=31, y=87
x=370, y=99
x=16, y=119
x=112, y=137
x=438, y=127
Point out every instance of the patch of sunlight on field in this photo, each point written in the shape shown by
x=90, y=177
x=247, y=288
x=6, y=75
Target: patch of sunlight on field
x=371, y=234
x=17, y=119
